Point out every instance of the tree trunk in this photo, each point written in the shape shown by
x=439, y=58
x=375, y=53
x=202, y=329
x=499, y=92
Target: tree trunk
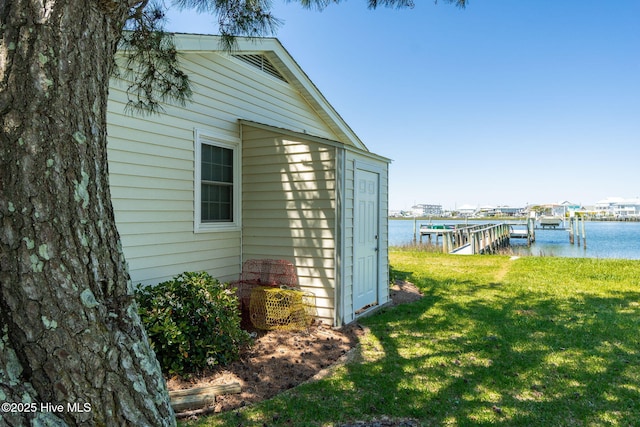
x=72, y=348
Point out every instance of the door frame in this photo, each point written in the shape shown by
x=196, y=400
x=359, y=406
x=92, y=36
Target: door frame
x=360, y=165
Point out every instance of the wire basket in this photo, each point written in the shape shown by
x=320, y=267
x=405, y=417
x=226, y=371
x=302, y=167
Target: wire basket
x=285, y=309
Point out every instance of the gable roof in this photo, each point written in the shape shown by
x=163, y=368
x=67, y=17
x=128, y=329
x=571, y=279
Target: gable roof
x=277, y=55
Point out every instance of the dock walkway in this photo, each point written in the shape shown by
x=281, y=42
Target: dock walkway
x=476, y=239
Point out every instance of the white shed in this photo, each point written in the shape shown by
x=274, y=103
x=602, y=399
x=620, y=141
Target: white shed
x=258, y=165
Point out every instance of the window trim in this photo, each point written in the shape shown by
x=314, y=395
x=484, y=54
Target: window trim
x=204, y=137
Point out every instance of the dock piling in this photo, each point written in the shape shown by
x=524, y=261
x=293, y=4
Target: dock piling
x=571, y=221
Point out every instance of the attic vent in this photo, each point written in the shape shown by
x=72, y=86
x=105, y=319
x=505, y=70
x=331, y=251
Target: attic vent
x=262, y=63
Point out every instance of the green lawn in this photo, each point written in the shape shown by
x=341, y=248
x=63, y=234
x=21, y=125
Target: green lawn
x=527, y=342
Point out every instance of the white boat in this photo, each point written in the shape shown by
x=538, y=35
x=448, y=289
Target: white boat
x=549, y=221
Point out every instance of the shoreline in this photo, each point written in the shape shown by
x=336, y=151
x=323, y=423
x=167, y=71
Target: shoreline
x=501, y=218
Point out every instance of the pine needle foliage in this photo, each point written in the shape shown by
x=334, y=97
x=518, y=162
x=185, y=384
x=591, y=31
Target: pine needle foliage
x=150, y=61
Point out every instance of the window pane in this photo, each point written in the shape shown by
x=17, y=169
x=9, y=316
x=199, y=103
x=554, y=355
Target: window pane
x=217, y=186
x=207, y=174
x=227, y=174
x=217, y=155
x=217, y=203
x=217, y=164
x=227, y=156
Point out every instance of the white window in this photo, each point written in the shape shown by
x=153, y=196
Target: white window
x=217, y=183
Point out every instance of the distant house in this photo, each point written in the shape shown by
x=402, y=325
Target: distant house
x=258, y=165
x=560, y=209
x=509, y=211
x=467, y=210
x=486, y=211
x=618, y=207
x=606, y=207
x=628, y=208
x=426, y=210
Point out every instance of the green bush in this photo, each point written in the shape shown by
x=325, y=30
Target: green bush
x=193, y=322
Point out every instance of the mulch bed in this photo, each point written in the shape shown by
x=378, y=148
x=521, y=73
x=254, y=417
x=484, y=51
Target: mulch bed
x=280, y=360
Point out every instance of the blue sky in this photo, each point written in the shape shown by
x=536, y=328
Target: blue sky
x=505, y=102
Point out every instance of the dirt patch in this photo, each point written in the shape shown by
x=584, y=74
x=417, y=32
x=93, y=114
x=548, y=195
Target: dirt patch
x=403, y=292
x=280, y=360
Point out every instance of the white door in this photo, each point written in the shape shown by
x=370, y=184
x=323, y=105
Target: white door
x=365, y=281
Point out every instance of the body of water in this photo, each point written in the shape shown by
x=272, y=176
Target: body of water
x=604, y=239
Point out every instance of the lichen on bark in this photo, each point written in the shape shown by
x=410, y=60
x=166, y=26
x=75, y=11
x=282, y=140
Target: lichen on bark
x=68, y=332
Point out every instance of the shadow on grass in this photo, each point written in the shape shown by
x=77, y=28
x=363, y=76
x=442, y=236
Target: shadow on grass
x=395, y=275
x=472, y=354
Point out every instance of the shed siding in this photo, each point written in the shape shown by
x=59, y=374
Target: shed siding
x=289, y=208
x=297, y=190
x=348, y=229
x=151, y=163
x=352, y=161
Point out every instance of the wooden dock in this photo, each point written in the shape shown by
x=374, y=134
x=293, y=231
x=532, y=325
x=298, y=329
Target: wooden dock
x=525, y=230
x=574, y=230
x=573, y=225
x=468, y=240
x=464, y=239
